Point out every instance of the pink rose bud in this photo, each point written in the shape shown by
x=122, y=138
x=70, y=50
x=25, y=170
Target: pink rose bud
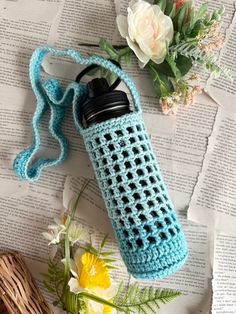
x=179, y=4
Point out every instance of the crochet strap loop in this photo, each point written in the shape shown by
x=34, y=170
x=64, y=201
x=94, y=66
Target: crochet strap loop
x=50, y=96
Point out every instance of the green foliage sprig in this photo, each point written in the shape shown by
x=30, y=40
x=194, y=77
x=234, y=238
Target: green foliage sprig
x=196, y=36
x=134, y=299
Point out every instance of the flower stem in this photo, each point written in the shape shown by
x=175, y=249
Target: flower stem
x=77, y=200
x=100, y=300
x=67, y=242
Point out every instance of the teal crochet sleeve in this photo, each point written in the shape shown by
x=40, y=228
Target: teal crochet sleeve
x=150, y=237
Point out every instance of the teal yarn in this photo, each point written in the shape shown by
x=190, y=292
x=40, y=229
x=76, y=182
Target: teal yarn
x=150, y=237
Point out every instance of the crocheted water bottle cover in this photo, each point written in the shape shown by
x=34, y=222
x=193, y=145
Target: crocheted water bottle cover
x=150, y=237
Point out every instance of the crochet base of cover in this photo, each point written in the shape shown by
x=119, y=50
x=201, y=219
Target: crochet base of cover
x=151, y=240
x=158, y=262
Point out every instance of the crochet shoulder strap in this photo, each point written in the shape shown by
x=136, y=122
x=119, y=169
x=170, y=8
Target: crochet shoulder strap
x=50, y=96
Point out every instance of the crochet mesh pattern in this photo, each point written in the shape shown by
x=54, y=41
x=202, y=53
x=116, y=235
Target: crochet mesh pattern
x=150, y=237
x=151, y=241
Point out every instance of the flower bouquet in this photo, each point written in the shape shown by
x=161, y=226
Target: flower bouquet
x=80, y=275
x=169, y=37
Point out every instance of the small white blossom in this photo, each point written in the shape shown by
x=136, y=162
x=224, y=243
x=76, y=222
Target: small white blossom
x=76, y=233
x=54, y=233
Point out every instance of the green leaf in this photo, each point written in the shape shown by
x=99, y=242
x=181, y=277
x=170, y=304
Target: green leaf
x=200, y=13
x=162, y=4
x=209, y=61
x=173, y=67
x=72, y=303
x=104, y=240
x=107, y=253
x=91, y=249
x=165, y=69
x=180, y=17
x=172, y=12
x=134, y=299
x=184, y=64
x=48, y=286
x=109, y=49
x=161, y=82
x=111, y=267
x=170, y=4
x=109, y=260
x=199, y=26
x=98, y=299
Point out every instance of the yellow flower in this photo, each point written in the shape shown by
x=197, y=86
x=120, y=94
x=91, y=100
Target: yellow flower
x=93, y=272
x=91, y=275
x=107, y=309
x=93, y=308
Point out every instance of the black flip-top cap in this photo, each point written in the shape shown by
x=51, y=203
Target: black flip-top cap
x=103, y=103
x=97, y=87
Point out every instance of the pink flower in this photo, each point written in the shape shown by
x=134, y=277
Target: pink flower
x=179, y=4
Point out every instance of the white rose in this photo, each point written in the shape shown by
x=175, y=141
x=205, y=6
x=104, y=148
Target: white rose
x=148, y=31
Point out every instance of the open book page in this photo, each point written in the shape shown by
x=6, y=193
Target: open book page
x=25, y=25
x=24, y=219
x=224, y=275
x=92, y=208
x=83, y=22
x=194, y=278
x=222, y=89
x=213, y=201
x=181, y=156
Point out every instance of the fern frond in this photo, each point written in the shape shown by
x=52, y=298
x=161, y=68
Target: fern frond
x=193, y=52
x=54, y=278
x=134, y=299
x=209, y=61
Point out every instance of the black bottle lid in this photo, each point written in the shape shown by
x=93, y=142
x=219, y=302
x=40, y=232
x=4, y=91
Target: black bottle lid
x=103, y=103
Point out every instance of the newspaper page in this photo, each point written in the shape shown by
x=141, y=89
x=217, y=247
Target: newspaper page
x=224, y=274
x=23, y=219
x=181, y=155
x=213, y=201
x=23, y=27
x=194, y=278
x=223, y=89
